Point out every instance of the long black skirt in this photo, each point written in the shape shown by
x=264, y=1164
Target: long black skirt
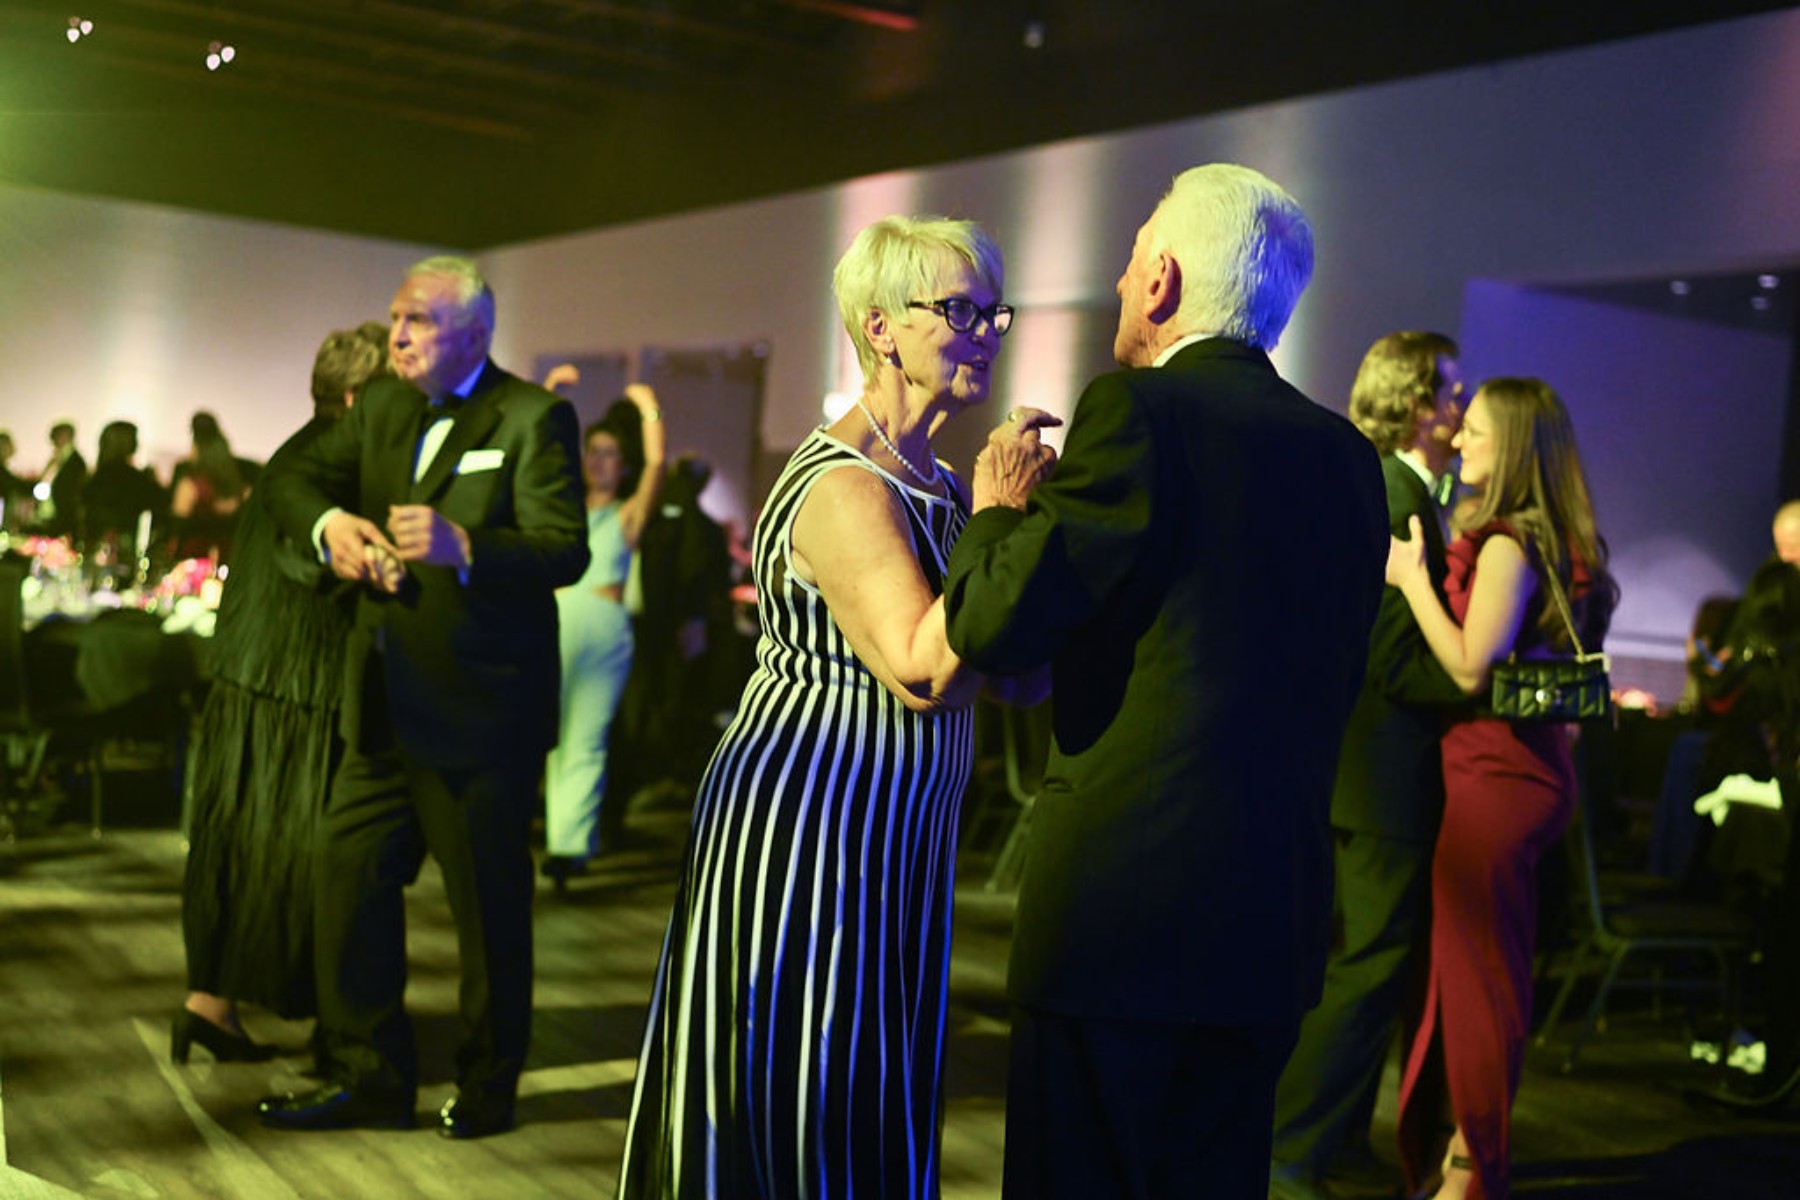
x=262, y=770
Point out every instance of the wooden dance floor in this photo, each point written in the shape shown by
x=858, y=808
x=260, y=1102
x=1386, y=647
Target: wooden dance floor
x=91, y=973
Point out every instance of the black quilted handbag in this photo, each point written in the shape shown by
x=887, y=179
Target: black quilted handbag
x=1569, y=688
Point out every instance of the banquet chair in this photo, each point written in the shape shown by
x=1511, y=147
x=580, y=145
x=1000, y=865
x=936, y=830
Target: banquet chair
x=136, y=685
x=1681, y=944
x=62, y=731
x=1025, y=744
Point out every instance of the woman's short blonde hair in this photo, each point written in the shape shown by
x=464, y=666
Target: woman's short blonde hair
x=892, y=263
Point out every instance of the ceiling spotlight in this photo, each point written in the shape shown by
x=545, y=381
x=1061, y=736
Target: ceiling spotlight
x=218, y=54
x=1768, y=283
x=1034, y=34
x=79, y=27
x=1679, y=287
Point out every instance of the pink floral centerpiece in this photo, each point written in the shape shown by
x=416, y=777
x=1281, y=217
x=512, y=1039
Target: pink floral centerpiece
x=50, y=553
x=191, y=577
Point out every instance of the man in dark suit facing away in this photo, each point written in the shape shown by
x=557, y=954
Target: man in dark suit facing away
x=453, y=494
x=1389, y=795
x=1201, y=569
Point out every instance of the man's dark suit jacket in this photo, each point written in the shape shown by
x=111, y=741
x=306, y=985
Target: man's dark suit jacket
x=1202, y=569
x=1390, y=778
x=66, y=487
x=469, y=669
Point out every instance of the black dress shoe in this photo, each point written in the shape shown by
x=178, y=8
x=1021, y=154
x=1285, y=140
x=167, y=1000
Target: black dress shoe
x=335, y=1106
x=464, y=1117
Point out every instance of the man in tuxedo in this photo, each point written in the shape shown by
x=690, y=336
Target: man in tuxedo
x=59, y=487
x=1201, y=569
x=1389, y=794
x=453, y=495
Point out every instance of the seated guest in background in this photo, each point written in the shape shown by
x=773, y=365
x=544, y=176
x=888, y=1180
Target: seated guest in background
x=1761, y=680
x=1705, y=646
x=59, y=486
x=207, y=488
x=1509, y=787
x=1206, y=612
x=1742, y=699
x=1710, y=742
x=621, y=464
x=1389, y=792
x=795, y=1039
x=119, y=493
x=203, y=426
x=15, y=492
x=264, y=754
x=470, y=477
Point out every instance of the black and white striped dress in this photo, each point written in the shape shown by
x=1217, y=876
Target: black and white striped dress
x=794, y=1049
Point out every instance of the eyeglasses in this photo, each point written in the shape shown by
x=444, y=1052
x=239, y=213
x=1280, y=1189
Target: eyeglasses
x=960, y=313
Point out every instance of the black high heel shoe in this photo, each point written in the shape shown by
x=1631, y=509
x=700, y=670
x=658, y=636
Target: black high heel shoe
x=224, y=1045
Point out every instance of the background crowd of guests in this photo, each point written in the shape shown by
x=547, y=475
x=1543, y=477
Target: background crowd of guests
x=120, y=508
x=446, y=595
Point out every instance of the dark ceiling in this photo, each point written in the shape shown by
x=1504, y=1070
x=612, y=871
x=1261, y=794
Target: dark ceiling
x=1759, y=301
x=478, y=122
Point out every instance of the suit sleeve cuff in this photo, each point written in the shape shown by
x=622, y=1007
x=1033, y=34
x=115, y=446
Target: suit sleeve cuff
x=318, y=533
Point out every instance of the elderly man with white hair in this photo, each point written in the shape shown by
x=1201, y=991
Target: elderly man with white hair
x=1201, y=570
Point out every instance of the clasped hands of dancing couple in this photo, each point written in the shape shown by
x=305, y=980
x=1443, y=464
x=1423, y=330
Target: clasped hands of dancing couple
x=1014, y=459
x=362, y=552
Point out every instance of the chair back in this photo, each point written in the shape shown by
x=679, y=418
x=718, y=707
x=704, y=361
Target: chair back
x=1583, y=865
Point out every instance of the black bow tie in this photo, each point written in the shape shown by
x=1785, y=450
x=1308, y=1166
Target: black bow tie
x=436, y=409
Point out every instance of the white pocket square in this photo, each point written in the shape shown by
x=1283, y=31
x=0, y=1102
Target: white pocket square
x=480, y=460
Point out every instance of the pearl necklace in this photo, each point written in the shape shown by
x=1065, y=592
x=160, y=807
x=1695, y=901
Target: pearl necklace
x=928, y=481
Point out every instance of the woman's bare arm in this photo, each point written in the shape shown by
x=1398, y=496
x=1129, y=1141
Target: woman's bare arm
x=1503, y=583
x=852, y=541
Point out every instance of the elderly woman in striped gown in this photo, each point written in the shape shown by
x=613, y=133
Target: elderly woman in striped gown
x=796, y=1030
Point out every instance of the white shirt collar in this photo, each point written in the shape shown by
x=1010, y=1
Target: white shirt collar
x=1416, y=461
x=1179, y=345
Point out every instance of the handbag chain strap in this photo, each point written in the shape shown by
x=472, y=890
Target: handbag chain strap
x=1562, y=601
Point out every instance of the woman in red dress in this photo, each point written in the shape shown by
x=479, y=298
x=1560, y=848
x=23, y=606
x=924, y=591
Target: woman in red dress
x=1509, y=788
